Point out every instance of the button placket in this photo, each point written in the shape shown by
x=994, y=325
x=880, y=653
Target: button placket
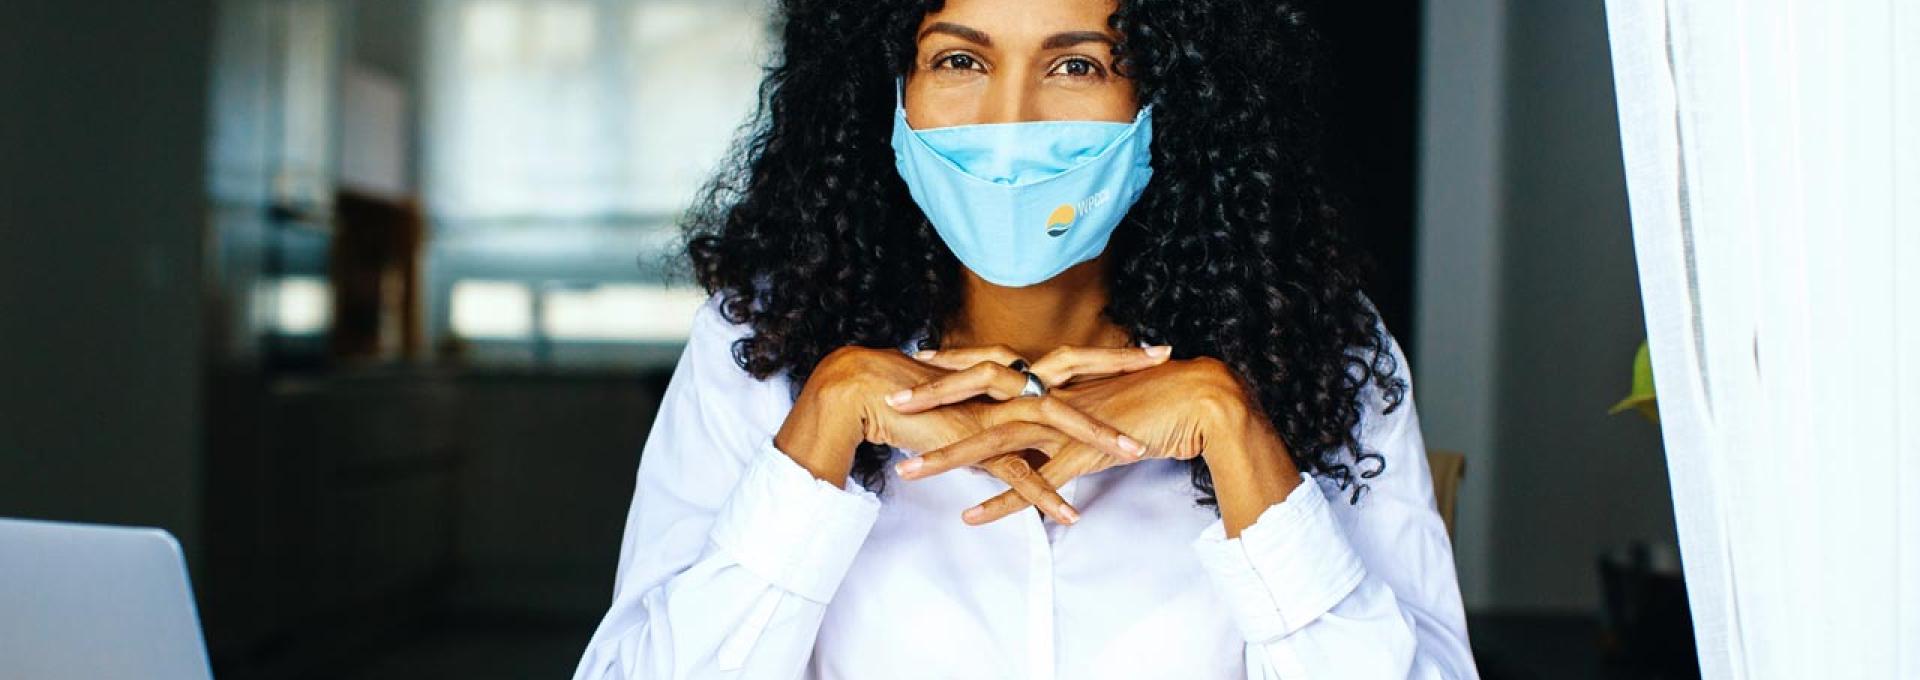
x=1040, y=653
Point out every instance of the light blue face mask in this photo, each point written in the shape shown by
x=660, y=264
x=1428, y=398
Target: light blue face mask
x=1019, y=203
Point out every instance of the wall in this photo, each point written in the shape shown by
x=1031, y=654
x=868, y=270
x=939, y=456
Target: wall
x=1528, y=301
x=1577, y=481
x=101, y=218
x=1458, y=261
x=547, y=475
x=388, y=37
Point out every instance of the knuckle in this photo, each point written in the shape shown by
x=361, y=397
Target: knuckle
x=1012, y=469
x=1001, y=436
x=984, y=371
x=838, y=358
x=842, y=370
x=1001, y=373
x=1213, y=387
x=1208, y=366
x=1208, y=375
x=1060, y=356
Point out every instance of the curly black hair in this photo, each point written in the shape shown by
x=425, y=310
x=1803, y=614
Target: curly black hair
x=1234, y=251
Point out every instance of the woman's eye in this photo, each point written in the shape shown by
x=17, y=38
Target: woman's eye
x=964, y=62
x=1077, y=68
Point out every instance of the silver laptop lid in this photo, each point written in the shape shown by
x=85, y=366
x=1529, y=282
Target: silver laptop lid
x=96, y=602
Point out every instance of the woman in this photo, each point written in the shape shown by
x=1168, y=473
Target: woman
x=1065, y=254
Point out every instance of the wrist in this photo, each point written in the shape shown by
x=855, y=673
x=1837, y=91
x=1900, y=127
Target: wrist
x=1252, y=470
x=1254, y=455
x=1232, y=433
x=820, y=435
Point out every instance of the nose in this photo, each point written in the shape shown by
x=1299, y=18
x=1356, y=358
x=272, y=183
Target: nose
x=1010, y=100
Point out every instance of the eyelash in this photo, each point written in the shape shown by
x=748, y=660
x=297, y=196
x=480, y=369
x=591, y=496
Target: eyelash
x=940, y=61
x=1093, y=67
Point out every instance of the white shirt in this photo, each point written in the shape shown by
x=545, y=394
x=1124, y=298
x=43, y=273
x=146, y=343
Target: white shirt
x=738, y=563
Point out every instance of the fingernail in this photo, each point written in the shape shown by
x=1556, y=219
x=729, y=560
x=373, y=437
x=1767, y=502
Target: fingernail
x=1128, y=445
x=899, y=397
x=1158, y=351
x=923, y=354
x=1067, y=511
x=974, y=514
x=907, y=467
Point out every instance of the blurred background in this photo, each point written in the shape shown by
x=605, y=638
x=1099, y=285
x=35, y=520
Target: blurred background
x=370, y=302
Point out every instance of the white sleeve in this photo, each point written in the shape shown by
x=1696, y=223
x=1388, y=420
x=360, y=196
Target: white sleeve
x=1366, y=592
x=732, y=550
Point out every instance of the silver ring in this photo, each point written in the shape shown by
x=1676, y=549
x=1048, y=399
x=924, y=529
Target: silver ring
x=1034, y=387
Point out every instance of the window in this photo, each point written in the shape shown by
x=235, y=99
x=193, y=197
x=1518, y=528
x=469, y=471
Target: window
x=562, y=140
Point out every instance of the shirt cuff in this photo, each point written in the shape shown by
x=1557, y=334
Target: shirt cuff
x=792, y=529
x=1290, y=566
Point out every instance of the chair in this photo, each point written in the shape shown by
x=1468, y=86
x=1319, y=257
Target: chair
x=1448, y=468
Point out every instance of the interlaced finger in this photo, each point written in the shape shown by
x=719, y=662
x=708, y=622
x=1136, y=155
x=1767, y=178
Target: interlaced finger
x=984, y=378
x=1066, y=364
x=1062, y=416
x=1030, y=487
x=1005, y=437
x=962, y=357
x=1056, y=472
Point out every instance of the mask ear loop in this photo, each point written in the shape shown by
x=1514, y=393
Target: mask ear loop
x=899, y=98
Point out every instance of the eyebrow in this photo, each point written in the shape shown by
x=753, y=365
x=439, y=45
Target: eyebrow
x=966, y=33
x=1053, y=42
x=1071, y=38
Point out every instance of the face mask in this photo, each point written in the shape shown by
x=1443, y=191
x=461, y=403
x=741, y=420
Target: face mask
x=1019, y=203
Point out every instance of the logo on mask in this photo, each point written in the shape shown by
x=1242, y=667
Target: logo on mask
x=1063, y=216
x=1061, y=219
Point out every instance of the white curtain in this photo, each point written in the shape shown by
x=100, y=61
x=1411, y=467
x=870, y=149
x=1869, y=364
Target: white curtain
x=1772, y=150
x=583, y=108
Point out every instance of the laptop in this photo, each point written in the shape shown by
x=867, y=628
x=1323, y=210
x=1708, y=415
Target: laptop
x=96, y=603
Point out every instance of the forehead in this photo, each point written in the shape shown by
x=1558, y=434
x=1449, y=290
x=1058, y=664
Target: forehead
x=1021, y=21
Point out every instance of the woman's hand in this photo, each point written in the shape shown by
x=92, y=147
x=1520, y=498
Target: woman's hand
x=844, y=403
x=984, y=371
x=1178, y=409
x=987, y=371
